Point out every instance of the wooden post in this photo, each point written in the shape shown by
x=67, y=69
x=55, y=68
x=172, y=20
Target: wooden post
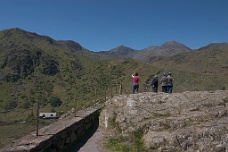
x=120, y=89
x=111, y=91
x=96, y=92
x=105, y=92
x=37, y=117
x=75, y=106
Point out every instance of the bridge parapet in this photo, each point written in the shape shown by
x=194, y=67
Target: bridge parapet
x=57, y=135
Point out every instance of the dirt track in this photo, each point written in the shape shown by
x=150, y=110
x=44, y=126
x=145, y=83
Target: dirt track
x=92, y=142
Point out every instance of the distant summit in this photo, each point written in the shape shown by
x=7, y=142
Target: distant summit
x=169, y=48
x=175, y=45
x=118, y=52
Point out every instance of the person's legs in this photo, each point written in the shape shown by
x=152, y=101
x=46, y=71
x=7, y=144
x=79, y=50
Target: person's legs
x=169, y=89
x=155, y=89
x=136, y=88
x=164, y=89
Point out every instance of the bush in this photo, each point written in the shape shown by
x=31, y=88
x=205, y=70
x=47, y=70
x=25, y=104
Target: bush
x=55, y=101
x=10, y=105
x=26, y=105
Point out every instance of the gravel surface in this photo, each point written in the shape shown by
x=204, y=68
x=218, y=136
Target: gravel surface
x=92, y=142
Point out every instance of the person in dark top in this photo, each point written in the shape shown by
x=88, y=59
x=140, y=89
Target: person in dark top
x=135, y=83
x=169, y=83
x=154, y=84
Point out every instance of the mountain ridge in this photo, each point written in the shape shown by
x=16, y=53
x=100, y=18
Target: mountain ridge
x=35, y=67
x=19, y=36
x=169, y=48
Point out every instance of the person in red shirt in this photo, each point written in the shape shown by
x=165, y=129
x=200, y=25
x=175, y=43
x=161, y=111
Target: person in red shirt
x=135, y=83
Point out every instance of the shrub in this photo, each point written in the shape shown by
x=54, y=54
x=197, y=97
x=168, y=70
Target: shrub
x=55, y=101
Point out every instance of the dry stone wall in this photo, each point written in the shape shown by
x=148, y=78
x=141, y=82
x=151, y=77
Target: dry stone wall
x=58, y=135
x=188, y=121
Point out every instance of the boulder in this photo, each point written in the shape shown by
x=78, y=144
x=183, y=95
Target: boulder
x=188, y=121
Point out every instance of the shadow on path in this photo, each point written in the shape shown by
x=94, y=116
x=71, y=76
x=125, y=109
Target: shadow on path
x=75, y=147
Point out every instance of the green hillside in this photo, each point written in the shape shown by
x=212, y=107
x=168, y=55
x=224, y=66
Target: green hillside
x=35, y=67
x=202, y=69
x=63, y=75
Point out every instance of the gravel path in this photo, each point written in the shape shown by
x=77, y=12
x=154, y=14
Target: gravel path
x=92, y=142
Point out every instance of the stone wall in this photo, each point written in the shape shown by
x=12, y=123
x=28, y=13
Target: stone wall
x=58, y=135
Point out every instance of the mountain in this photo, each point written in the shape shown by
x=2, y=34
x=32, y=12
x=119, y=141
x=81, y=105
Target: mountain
x=209, y=60
x=23, y=52
x=34, y=66
x=26, y=58
x=170, y=48
x=17, y=38
x=38, y=68
x=167, y=49
x=118, y=52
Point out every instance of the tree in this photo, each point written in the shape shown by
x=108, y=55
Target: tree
x=10, y=105
x=55, y=101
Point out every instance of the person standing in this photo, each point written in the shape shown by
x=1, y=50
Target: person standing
x=164, y=83
x=135, y=83
x=169, y=83
x=154, y=84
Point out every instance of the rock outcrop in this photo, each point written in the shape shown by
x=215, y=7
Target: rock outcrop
x=188, y=121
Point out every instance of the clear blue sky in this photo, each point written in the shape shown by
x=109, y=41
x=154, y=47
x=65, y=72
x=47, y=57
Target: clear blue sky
x=100, y=25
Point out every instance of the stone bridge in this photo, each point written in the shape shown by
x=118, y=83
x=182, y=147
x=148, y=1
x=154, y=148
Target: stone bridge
x=58, y=135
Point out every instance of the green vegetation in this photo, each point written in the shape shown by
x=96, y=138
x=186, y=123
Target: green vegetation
x=119, y=144
x=63, y=75
x=131, y=143
x=36, y=68
x=124, y=143
x=55, y=102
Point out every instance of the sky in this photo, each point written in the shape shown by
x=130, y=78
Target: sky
x=101, y=25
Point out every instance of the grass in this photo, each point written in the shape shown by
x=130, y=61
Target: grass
x=118, y=144
x=124, y=143
x=131, y=143
x=11, y=132
x=81, y=79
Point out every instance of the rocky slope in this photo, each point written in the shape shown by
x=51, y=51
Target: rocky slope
x=167, y=49
x=170, y=48
x=188, y=121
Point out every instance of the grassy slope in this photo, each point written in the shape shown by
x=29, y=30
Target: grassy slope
x=203, y=69
x=82, y=79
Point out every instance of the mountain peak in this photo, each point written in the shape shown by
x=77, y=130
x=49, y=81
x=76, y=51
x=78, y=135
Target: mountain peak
x=118, y=52
x=175, y=45
x=172, y=43
x=120, y=48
